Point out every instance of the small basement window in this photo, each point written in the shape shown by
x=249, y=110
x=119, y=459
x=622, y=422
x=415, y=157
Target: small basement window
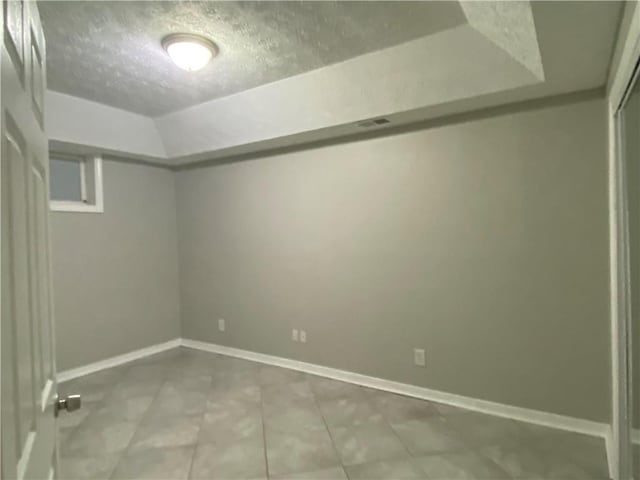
x=75, y=183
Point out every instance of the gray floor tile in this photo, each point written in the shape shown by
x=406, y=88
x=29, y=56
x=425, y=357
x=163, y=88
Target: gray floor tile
x=184, y=397
x=248, y=393
x=386, y=470
x=234, y=402
x=89, y=468
x=231, y=364
x=329, y=389
x=235, y=460
x=429, y=435
x=223, y=404
x=92, y=387
x=289, y=406
x=460, y=466
x=137, y=387
x=585, y=451
x=155, y=464
x=177, y=403
x=146, y=372
x=367, y=443
x=190, y=365
x=63, y=437
x=299, y=450
x=482, y=429
x=171, y=431
x=97, y=435
x=398, y=408
x=291, y=417
x=522, y=461
x=335, y=473
x=191, y=369
x=563, y=470
x=348, y=411
x=228, y=426
x=194, y=383
x=124, y=408
x=232, y=379
x=287, y=393
x=73, y=419
x=269, y=375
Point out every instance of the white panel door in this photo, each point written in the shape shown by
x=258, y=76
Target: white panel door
x=28, y=386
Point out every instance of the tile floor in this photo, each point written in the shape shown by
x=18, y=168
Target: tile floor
x=189, y=414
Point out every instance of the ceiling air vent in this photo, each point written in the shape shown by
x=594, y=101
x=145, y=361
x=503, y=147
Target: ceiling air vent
x=374, y=122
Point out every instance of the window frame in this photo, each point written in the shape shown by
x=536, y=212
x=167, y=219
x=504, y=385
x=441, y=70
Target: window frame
x=83, y=206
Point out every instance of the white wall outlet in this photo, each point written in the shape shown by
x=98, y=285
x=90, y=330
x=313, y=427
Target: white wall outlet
x=303, y=336
x=221, y=325
x=294, y=335
x=418, y=357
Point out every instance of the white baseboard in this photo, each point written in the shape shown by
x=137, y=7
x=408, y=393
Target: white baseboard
x=72, y=373
x=537, y=417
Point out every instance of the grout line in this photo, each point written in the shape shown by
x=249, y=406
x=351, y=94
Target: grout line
x=204, y=412
x=367, y=396
x=124, y=450
x=298, y=366
x=139, y=422
x=543, y=418
x=264, y=427
x=388, y=423
x=193, y=458
x=98, y=404
x=326, y=426
x=475, y=448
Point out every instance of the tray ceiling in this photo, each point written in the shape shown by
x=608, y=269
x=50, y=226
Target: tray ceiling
x=295, y=72
x=110, y=52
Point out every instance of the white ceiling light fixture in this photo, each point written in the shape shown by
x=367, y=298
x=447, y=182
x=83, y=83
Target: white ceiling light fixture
x=189, y=52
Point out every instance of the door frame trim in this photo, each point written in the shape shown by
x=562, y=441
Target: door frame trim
x=620, y=77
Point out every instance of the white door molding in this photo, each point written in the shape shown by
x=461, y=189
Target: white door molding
x=626, y=56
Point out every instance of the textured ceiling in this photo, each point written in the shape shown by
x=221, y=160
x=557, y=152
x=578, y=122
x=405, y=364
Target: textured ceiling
x=510, y=26
x=110, y=52
x=353, y=61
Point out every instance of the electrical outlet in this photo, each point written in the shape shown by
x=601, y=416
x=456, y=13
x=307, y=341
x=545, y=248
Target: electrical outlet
x=303, y=336
x=418, y=357
x=221, y=325
x=294, y=335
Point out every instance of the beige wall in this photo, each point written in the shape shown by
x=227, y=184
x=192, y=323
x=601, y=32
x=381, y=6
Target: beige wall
x=115, y=275
x=483, y=242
